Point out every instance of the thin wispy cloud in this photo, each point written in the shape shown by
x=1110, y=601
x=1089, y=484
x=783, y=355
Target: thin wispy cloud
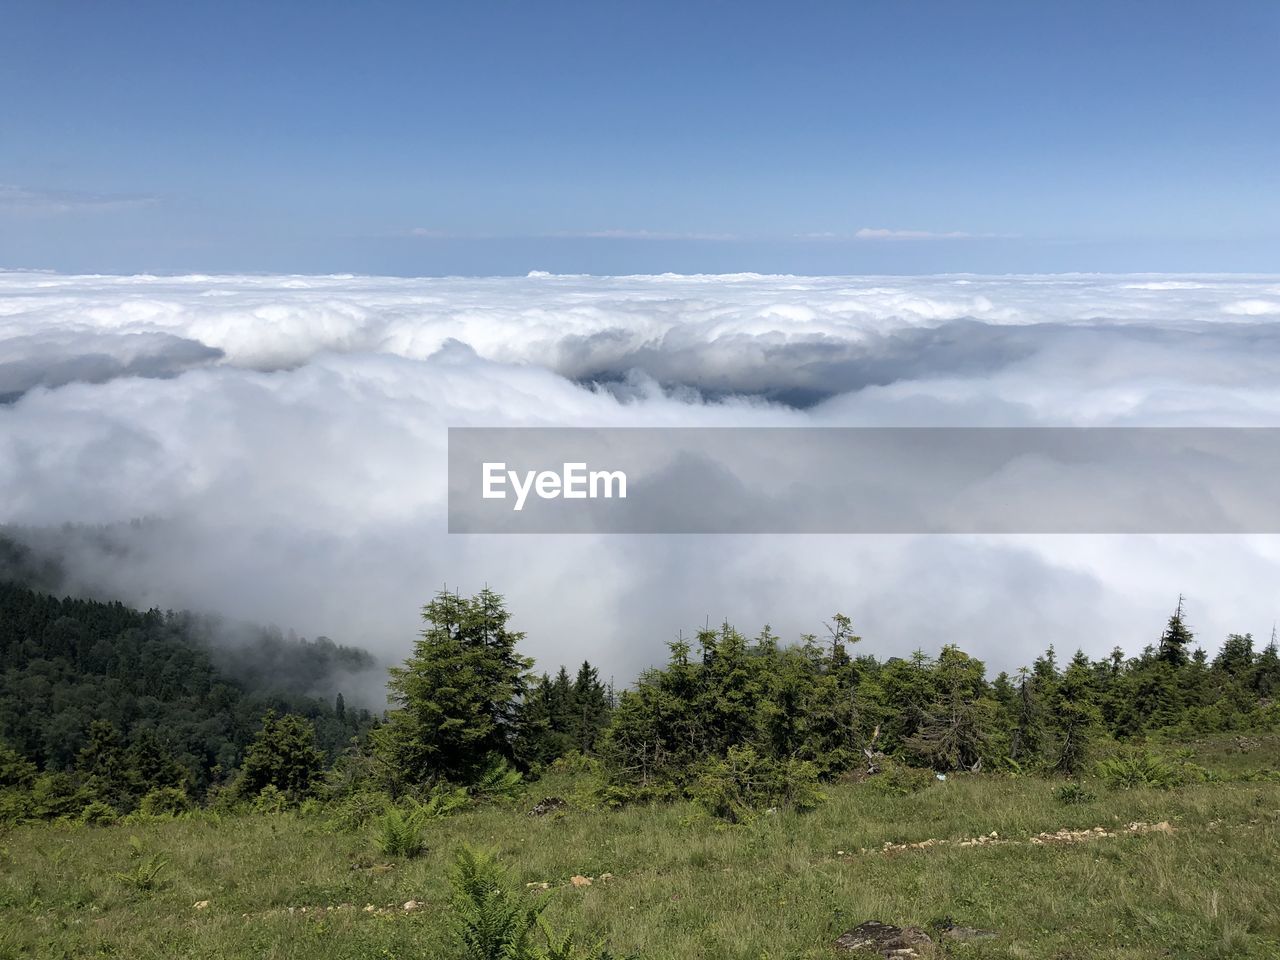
x=432, y=233
x=19, y=199
x=884, y=233
x=653, y=235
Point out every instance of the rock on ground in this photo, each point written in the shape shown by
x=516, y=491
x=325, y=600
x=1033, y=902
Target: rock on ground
x=886, y=940
x=547, y=805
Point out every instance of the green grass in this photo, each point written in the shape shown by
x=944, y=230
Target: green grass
x=683, y=886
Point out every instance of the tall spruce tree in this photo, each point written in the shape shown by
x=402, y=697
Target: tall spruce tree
x=1073, y=717
x=458, y=697
x=1176, y=639
x=283, y=755
x=1028, y=731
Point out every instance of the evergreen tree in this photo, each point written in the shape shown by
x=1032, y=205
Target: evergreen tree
x=151, y=763
x=101, y=762
x=1028, y=732
x=959, y=725
x=283, y=755
x=1176, y=639
x=1236, y=659
x=1266, y=673
x=590, y=706
x=459, y=695
x=1072, y=717
x=15, y=771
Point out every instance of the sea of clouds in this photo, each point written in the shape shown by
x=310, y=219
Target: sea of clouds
x=273, y=448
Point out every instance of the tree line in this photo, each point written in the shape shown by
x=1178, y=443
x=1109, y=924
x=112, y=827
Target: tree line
x=727, y=719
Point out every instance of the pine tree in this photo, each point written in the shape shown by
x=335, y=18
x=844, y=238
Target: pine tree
x=1236, y=656
x=591, y=708
x=957, y=728
x=1073, y=717
x=458, y=697
x=1028, y=731
x=102, y=763
x=1266, y=672
x=1176, y=639
x=15, y=771
x=283, y=755
x=151, y=764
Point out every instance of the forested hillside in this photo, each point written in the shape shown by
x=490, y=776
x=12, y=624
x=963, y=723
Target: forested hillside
x=153, y=678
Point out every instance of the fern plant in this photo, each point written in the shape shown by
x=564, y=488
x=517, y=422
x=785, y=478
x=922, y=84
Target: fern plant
x=498, y=782
x=442, y=802
x=398, y=834
x=1142, y=769
x=566, y=947
x=145, y=875
x=1073, y=794
x=492, y=924
x=489, y=923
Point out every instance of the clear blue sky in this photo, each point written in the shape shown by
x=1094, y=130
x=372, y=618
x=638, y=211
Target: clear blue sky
x=481, y=137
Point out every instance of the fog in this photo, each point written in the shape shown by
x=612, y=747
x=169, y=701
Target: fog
x=273, y=448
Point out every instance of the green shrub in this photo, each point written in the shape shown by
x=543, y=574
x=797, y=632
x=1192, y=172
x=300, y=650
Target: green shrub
x=897, y=779
x=617, y=795
x=271, y=799
x=576, y=762
x=357, y=811
x=1073, y=794
x=165, y=802
x=15, y=806
x=226, y=800
x=98, y=814
x=744, y=783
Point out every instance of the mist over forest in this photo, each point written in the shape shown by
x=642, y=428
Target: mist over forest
x=270, y=449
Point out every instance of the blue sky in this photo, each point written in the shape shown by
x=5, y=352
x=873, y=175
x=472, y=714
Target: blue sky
x=842, y=137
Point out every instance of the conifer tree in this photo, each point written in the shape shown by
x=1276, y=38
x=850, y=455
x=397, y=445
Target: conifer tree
x=151, y=763
x=101, y=762
x=1266, y=672
x=458, y=697
x=1176, y=639
x=1028, y=731
x=958, y=727
x=1072, y=716
x=283, y=755
x=1236, y=656
x=591, y=708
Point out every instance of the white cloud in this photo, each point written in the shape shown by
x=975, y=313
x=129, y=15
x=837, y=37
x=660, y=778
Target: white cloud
x=298, y=476
x=1254, y=307
x=624, y=234
x=881, y=233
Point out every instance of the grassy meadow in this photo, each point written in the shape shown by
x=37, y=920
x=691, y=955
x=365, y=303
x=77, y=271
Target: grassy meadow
x=668, y=882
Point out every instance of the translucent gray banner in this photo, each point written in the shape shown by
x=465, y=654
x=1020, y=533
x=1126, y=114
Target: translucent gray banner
x=864, y=480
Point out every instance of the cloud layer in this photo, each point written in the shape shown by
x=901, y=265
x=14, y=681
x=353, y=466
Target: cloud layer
x=273, y=447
